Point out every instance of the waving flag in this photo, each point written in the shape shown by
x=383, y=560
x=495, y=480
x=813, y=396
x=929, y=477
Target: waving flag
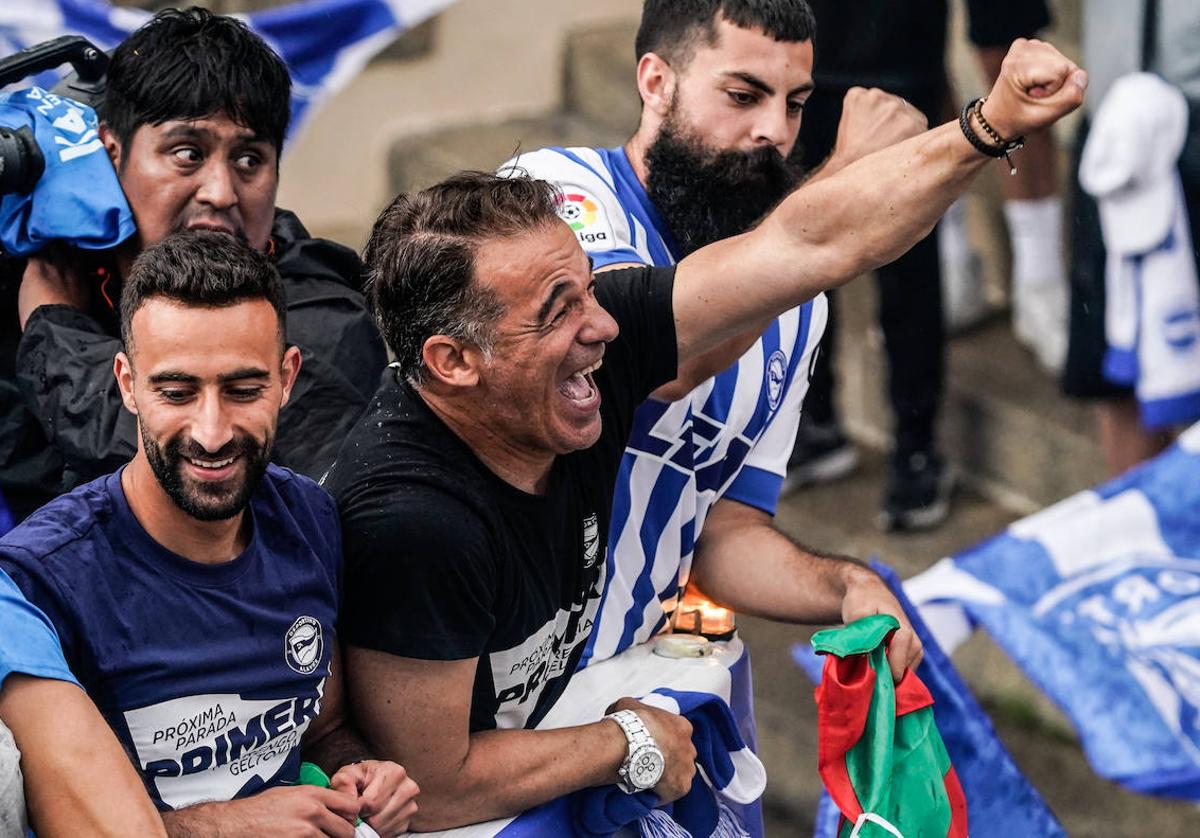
x=325, y=43
x=696, y=687
x=1097, y=599
x=1000, y=801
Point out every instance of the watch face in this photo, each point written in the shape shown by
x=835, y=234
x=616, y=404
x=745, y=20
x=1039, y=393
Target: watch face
x=646, y=768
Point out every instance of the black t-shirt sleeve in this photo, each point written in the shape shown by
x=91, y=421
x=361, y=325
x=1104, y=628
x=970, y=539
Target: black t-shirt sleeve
x=420, y=576
x=644, y=356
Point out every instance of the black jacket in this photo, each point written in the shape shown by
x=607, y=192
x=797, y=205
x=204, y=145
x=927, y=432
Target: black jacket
x=62, y=421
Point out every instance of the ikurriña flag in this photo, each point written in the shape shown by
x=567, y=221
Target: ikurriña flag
x=1000, y=800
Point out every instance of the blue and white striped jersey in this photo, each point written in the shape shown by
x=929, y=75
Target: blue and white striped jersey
x=731, y=437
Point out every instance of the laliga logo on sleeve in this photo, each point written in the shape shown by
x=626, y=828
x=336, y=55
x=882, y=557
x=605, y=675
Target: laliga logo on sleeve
x=303, y=645
x=582, y=214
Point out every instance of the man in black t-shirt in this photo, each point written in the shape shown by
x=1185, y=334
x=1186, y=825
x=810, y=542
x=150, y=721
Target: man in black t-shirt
x=475, y=492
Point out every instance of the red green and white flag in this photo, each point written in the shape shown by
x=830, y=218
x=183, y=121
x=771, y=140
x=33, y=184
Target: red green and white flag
x=880, y=754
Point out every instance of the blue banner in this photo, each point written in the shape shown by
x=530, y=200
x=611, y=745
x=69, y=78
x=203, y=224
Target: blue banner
x=1097, y=599
x=325, y=43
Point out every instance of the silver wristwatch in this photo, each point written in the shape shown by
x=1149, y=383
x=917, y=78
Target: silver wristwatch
x=644, y=763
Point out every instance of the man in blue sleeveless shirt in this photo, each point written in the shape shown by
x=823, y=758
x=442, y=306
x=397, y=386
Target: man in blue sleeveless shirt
x=195, y=590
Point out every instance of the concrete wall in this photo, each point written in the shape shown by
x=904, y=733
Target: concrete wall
x=489, y=59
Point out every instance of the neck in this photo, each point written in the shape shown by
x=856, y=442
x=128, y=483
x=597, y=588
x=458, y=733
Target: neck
x=636, y=148
x=205, y=542
x=520, y=467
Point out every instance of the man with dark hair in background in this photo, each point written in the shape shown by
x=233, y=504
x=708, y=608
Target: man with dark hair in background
x=194, y=120
x=724, y=85
x=476, y=493
x=195, y=590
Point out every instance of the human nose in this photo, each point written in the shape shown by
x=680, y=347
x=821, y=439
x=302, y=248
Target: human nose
x=216, y=187
x=772, y=127
x=211, y=428
x=600, y=327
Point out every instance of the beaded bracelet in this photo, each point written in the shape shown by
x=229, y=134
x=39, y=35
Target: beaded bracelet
x=1002, y=147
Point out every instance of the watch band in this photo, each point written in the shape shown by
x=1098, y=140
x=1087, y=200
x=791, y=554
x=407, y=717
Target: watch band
x=635, y=730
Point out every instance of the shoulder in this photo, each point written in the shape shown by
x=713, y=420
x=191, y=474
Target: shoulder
x=575, y=165
x=63, y=530
x=301, y=258
x=297, y=504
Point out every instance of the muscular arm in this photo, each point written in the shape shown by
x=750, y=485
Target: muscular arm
x=470, y=777
x=743, y=562
x=78, y=780
x=829, y=231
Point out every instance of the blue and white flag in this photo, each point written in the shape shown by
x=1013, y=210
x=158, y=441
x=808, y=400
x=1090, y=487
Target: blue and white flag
x=1000, y=800
x=1097, y=599
x=700, y=688
x=325, y=43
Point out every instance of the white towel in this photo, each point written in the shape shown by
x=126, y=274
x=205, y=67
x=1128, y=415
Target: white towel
x=1152, y=318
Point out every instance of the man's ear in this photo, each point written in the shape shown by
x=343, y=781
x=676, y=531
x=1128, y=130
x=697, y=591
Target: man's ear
x=451, y=361
x=656, y=83
x=111, y=144
x=123, y=370
x=289, y=369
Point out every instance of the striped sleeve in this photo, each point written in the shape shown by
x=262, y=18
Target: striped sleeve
x=761, y=477
x=590, y=206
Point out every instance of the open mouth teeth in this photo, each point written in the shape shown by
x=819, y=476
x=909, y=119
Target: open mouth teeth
x=579, y=387
x=213, y=464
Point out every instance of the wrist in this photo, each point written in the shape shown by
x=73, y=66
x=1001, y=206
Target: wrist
x=853, y=574
x=997, y=121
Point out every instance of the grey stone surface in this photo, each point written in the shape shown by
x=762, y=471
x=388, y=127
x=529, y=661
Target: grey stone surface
x=423, y=161
x=599, y=77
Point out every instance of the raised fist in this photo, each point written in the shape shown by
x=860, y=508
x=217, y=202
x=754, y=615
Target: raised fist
x=872, y=120
x=1037, y=86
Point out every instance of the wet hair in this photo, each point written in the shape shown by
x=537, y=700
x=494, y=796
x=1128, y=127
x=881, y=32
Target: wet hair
x=420, y=259
x=202, y=269
x=192, y=64
x=673, y=28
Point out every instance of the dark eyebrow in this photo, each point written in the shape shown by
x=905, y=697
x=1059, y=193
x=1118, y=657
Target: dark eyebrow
x=243, y=374
x=186, y=130
x=173, y=376
x=558, y=290
x=766, y=89
x=753, y=81
x=177, y=377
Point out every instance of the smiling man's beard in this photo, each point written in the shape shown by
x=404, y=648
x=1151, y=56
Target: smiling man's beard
x=207, y=501
x=705, y=195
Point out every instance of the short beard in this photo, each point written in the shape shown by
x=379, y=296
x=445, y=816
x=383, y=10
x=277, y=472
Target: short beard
x=705, y=195
x=207, y=502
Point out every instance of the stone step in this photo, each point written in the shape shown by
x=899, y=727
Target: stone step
x=599, y=77
x=419, y=162
x=1004, y=424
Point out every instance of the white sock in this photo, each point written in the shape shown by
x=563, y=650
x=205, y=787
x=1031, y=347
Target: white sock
x=1035, y=230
